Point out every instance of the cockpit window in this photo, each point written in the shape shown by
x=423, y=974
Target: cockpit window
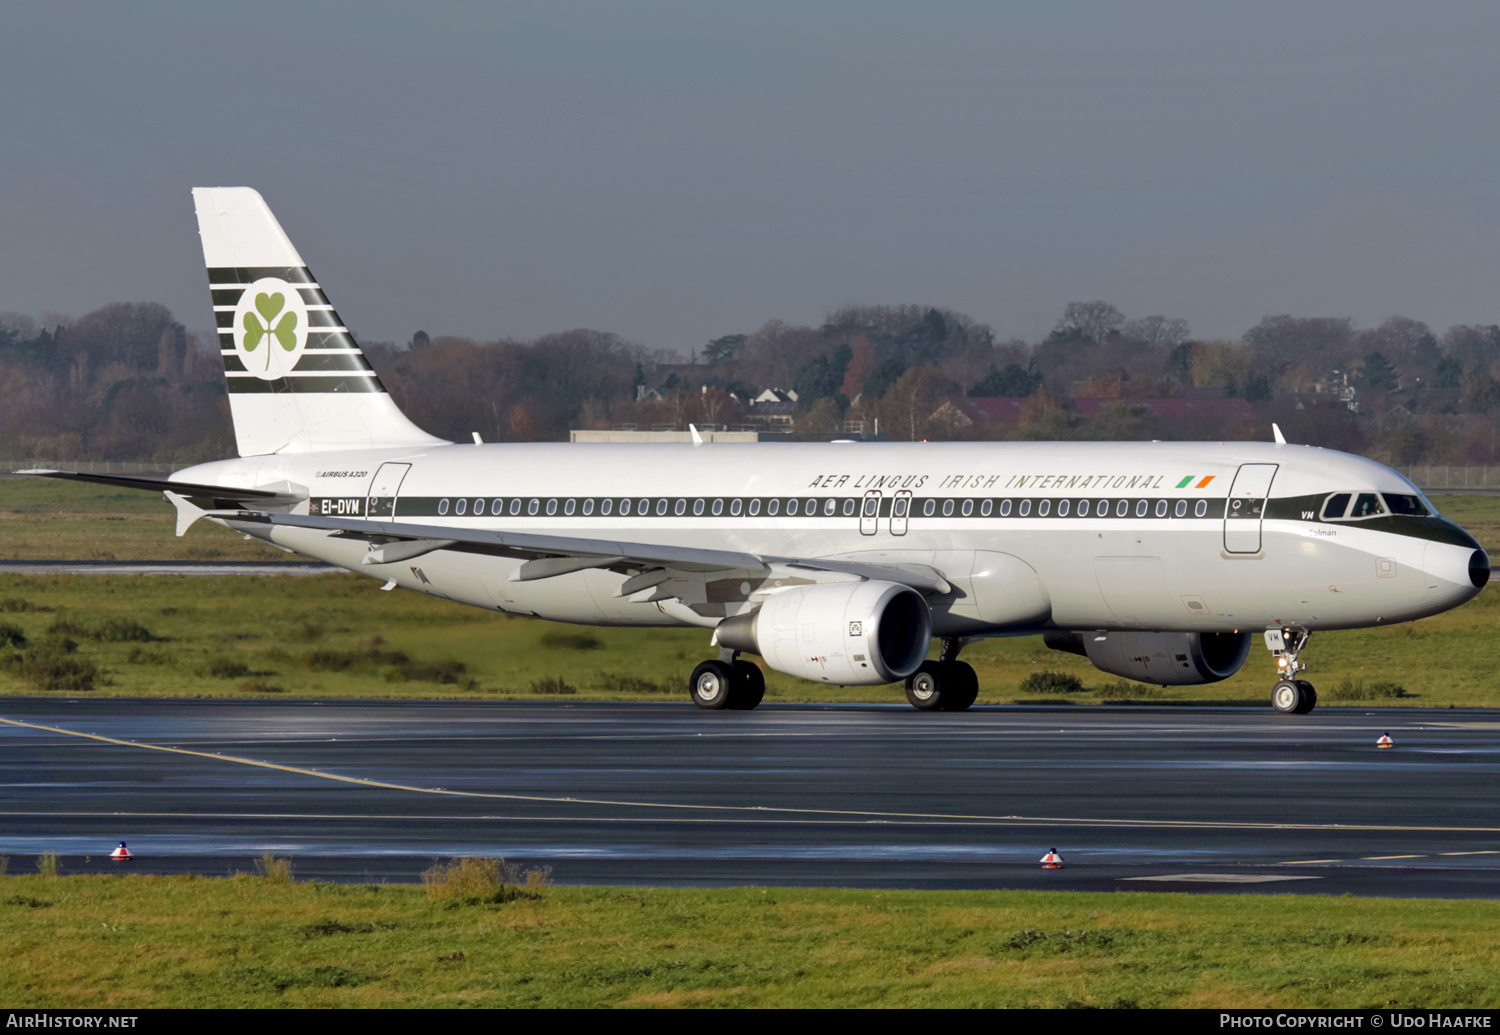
x=1336, y=505
x=1412, y=505
x=1366, y=504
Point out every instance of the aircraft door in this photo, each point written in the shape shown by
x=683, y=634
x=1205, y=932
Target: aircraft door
x=384, y=487
x=869, y=515
x=1246, y=507
x=900, y=508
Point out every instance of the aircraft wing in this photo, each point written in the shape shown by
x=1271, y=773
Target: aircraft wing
x=546, y=556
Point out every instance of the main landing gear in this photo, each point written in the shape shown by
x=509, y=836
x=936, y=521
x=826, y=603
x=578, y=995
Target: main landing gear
x=727, y=683
x=1290, y=695
x=944, y=685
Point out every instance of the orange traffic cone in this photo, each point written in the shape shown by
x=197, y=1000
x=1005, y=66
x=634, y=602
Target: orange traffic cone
x=1052, y=861
x=1385, y=741
x=121, y=854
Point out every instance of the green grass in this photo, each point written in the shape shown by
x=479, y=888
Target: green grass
x=137, y=941
x=338, y=636
x=51, y=520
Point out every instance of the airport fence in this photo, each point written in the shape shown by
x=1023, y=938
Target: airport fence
x=1436, y=477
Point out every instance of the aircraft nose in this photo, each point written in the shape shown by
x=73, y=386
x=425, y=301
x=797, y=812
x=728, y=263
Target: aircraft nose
x=1479, y=568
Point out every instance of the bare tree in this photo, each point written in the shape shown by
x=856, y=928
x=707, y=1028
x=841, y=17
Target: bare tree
x=1157, y=331
x=1091, y=321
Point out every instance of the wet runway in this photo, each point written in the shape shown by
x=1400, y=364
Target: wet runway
x=1196, y=799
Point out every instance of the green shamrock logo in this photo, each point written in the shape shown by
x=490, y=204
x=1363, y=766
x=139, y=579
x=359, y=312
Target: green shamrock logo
x=284, y=330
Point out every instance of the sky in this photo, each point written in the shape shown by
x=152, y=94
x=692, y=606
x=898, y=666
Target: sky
x=674, y=172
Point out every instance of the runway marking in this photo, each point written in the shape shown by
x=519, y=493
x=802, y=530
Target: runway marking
x=1225, y=878
x=1469, y=853
x=1466, y=725
x=1377, y=858
x=1308, y=862
x=1185, y=824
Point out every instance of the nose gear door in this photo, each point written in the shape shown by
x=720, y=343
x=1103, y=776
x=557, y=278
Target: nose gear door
x=1246, y=507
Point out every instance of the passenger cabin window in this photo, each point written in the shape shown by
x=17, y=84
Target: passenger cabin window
x=1181, y=509
x=1337, y=504
x=1025, y=507
x=1366, y=504
x=1140, y=508
x=718, y=507
x=1062, y=507
x=871, y=505
x=1409, y=505
x=734, y=507
x=661, y=507
x=928, y=508
x=643, y=507
x=605, y=506
x=588, y=507
x=551, y=507
x=773, y=507
x=985, y=508
x=968, y=507
x=754, y=507
x=1161, y=508
x=947, y=508
x=515, y=507
x=697, y=508
x=1044, y=508
x=1005, y=508
x=461, y=506
x=568, y=507
x=478, y=507
x=1201, y=508
x=1122, y=508
x=624, y=508
x=442, y=506
x=791, y=508
x=1083, y=508
x=531, y=507
x=496, y=507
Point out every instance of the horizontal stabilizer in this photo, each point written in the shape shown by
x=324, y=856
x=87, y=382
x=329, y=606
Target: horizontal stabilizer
x=215, y=492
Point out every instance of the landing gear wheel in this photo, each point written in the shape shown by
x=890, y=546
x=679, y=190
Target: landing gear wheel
x=749, y=686
x=1290, y=698
x=924, y=687
x=942, y=686
x=965, y=683
x=712, y=685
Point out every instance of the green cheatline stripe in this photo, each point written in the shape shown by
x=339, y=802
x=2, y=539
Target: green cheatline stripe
x=1184, y=483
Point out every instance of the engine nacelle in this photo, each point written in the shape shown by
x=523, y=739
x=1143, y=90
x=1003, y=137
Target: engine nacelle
x=849, y=633
x=1166, y=659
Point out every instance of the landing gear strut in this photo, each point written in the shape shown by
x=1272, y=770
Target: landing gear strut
x=945, y=685
x=1290, y=695
x=727, y=683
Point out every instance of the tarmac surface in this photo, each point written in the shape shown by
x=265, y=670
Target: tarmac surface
x=661, y=794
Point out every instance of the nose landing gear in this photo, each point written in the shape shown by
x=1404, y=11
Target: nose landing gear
x=1290, y=695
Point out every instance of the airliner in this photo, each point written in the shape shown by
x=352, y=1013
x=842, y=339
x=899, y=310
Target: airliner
x=837, y=563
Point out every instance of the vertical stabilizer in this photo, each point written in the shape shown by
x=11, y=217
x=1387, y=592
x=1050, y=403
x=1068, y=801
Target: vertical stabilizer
x=297, y=380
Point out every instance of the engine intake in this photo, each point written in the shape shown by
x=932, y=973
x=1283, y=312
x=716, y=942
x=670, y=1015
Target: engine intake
x=848, y=633
x=1166, y=659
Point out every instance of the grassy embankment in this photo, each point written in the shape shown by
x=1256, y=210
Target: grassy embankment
x=338, y=636
x=138, y=941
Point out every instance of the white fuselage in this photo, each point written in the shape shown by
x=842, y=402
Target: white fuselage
x=1004, y=528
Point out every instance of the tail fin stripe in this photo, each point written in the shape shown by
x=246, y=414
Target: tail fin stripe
x=250, y=274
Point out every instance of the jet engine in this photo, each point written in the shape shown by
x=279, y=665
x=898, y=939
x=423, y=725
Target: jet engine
x=1166, y=659
x=849, y=633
